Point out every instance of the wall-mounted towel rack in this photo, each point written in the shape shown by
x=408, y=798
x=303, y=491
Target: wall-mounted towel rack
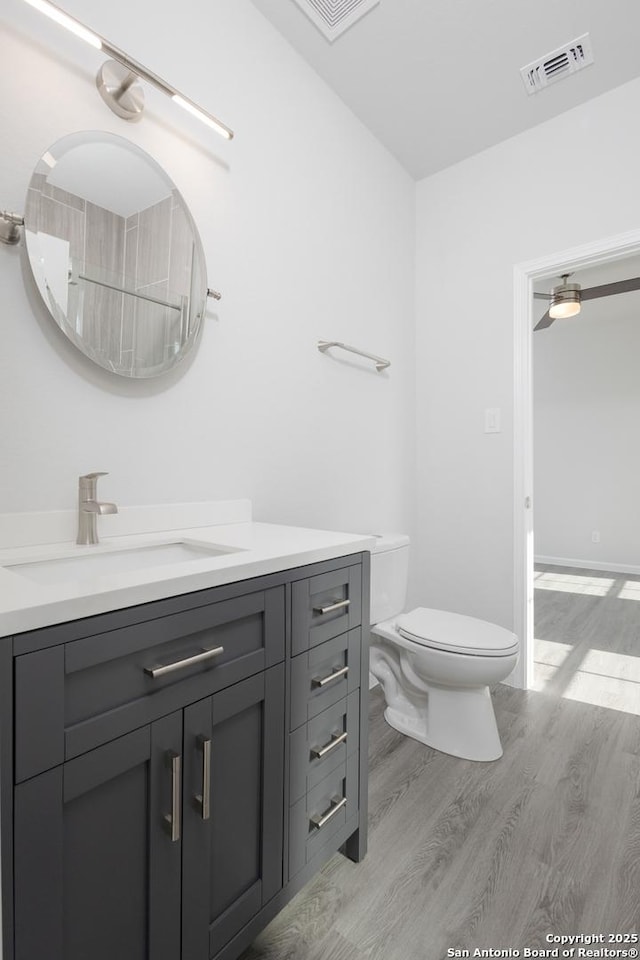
x=380, y=362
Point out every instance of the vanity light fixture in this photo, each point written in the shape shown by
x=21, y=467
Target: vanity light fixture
x=565, y=300
x=117, y=79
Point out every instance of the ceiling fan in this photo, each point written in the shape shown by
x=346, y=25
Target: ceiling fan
x=567, y=297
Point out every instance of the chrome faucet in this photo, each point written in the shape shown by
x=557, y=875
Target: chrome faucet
x=89, y=508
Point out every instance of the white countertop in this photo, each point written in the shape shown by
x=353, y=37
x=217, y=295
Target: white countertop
x=261, y=548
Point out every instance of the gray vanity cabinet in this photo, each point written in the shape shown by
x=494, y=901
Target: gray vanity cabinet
x=121, y=838
x=115, y=830
x=96, y=872
x=233, y=810
x=181, y=768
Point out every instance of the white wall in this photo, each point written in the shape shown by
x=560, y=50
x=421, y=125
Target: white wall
x=564, y=183
x=586, y=414
x=308, y=229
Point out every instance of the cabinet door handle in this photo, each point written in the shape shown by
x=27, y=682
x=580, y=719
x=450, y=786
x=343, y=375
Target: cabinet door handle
x=319, y=752
x=337, y=605
x=204, y=798
x=173, y=819
x=162, y=669
x=323, y=681
x=319, y=822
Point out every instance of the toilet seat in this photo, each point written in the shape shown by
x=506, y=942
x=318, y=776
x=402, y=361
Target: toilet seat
x=456, y=633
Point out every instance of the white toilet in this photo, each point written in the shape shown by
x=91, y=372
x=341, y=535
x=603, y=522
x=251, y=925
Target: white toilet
x=435, y=667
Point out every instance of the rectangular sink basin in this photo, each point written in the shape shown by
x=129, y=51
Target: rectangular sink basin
x=87, y=566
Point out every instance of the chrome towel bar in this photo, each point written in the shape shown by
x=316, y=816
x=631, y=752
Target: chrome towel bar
x=380, y=362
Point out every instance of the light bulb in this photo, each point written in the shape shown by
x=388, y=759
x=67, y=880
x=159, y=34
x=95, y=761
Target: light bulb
x=54, y=13
x=564, y=309
x=201, y=115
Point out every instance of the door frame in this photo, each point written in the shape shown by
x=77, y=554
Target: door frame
x=524, y=274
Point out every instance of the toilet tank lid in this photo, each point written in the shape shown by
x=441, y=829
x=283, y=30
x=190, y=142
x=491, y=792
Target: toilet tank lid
x=390, y=541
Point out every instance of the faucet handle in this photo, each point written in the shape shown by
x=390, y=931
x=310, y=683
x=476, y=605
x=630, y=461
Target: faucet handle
x=88, y=485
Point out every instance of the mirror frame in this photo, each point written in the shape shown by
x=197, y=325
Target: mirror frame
x=137, y=321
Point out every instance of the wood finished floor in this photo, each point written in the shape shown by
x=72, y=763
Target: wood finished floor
x=545, y=840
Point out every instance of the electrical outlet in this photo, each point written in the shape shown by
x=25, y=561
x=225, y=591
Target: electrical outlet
x=595, y=536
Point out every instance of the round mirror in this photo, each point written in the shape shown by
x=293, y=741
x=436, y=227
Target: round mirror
x=115, y=254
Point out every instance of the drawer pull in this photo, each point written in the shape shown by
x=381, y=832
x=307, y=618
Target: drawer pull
x=323, y=681
x=162, y=669
x=338, y=605
x=319, y=752
x=173, y=819
x=204, y=798
x=319, y=822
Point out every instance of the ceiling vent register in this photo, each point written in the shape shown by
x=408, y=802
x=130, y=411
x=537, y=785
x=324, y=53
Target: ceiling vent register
x=570, y=58
x=333, y=17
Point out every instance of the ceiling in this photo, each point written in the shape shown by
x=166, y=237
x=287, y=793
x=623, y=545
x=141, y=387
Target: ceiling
x=438, y=81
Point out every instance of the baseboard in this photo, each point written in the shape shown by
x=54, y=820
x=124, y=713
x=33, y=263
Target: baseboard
x=589, y=564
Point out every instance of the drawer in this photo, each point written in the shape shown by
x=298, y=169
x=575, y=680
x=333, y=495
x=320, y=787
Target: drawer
x=325, y=606
x=316, y=818
x=322, y=744
x=324, y=675
x=75, y=696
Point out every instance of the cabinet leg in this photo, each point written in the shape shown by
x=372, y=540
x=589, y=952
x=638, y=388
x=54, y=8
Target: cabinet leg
x=356, y=846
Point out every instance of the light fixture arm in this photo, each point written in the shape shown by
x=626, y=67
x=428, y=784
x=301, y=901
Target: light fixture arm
x=75, y=26
x=126, y=84
x=141, y=71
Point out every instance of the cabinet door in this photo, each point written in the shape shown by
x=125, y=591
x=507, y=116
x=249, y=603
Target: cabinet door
x=233, y=810
x=97, y=873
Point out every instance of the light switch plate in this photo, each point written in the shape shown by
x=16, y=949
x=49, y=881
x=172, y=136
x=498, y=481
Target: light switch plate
x=492, y=420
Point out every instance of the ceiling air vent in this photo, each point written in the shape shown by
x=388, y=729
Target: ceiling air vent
x=333, y=17
x=570, y=58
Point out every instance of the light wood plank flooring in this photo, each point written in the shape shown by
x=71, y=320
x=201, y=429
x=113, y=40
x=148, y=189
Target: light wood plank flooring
x=545, y=840
x=588, y=636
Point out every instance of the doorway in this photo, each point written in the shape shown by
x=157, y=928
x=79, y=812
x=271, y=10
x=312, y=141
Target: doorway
x=525, y=315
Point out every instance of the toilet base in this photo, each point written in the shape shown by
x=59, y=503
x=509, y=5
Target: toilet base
x=461, y=723
x=438, y=697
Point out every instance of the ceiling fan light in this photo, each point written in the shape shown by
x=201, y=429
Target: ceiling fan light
x=565, y=301
x=564, y=309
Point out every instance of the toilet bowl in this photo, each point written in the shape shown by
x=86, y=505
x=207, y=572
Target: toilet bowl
x=434, y=666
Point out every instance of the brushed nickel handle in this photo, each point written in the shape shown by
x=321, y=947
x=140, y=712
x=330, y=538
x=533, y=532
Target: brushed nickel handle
x=338, y=605
x=173, y=819
x=380, y=362
x=323, y=681
x=161, y=670
x=204, y=798
x=319, y=752
x=319, y=822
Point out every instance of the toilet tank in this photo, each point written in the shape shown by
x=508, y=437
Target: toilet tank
x=389, y=576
